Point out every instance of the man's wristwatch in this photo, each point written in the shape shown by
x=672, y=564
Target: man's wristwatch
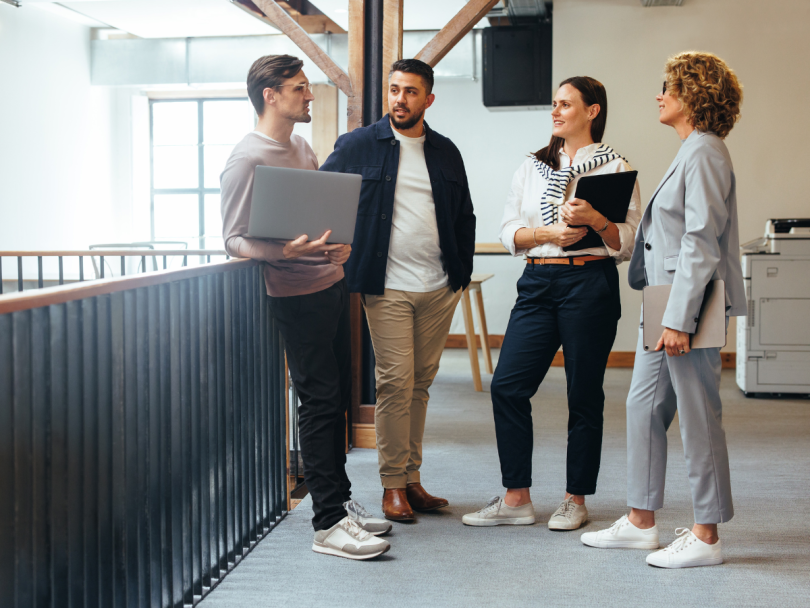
x=607, y=222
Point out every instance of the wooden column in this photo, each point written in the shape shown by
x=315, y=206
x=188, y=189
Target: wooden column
x=324, y=120
x=392, y=42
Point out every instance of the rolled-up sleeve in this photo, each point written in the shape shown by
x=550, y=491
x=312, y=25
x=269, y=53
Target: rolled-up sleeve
x=512, y=221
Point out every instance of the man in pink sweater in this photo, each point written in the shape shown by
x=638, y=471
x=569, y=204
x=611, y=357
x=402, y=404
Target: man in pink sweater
x=310, y=302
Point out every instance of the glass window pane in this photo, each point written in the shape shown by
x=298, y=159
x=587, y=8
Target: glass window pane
x=214, y=161
x=227, y=121
x=177, y=216
x=176, y=167
x=213, y=222
x=174, y=123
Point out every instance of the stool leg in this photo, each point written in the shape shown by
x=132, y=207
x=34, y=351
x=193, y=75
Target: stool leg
x=466, y=308
x=482, y=321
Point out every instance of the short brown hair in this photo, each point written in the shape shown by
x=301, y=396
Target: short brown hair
x=267, y=73
x=708, y=91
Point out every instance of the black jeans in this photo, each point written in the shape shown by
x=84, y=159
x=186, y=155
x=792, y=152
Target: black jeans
x=315, y=328
x=577, y=307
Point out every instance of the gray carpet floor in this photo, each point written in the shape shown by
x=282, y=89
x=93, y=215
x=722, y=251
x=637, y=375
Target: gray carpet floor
x=440, y=562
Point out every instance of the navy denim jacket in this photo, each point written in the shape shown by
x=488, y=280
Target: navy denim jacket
x=373, y=152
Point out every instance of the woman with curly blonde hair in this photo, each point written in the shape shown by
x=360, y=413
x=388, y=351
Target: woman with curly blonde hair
x=687, y=238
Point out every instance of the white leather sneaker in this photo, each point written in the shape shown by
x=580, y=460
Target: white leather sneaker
x=369, y=523
x=498, y=513
x=622, y=535
x=568, y=516
x=687, y=551
x=347, y=539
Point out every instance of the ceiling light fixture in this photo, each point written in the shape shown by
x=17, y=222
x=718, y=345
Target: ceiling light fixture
x=661, y=2
x=12, y=3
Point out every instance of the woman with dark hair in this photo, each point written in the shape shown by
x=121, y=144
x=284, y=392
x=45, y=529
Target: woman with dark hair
x=565, y=298
x=688, y=237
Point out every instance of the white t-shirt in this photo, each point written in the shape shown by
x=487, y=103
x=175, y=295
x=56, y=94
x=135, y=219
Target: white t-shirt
x=414, y=256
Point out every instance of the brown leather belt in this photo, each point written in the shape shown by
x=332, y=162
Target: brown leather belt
x=572, y=261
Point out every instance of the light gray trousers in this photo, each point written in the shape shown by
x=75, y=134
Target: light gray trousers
x=690, y=385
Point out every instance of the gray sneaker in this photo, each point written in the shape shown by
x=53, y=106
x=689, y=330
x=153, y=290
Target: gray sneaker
x=369, y=523
x=568, y=516
x=347, y=539
x=498, y=513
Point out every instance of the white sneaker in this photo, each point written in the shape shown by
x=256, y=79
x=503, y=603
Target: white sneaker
x=568, y=516
x=498, y=513
x=369, y=523
x=688, y=551
x=347, y=539
x=622, y=535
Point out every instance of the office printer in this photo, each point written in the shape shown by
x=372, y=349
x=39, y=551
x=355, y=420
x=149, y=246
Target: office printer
x=773, y=341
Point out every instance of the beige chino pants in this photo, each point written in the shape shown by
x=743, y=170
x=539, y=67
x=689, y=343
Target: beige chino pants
x=409, y=331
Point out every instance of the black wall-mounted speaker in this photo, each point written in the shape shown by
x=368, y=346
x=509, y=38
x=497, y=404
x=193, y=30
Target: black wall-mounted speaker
x=517, y=66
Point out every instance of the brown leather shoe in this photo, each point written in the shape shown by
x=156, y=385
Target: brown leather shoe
x=395, y=505
x=420, y=500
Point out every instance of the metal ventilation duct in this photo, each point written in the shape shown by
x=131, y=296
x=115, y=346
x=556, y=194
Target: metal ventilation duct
x=661, y=2
x=526, y=8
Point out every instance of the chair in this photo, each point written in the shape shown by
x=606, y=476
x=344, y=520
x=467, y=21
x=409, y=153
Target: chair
x=469, y=327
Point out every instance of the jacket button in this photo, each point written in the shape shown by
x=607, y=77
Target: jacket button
x=647, y=246
x=388, y=178
x=383, y=216
x=379, y=254
x=393, y=142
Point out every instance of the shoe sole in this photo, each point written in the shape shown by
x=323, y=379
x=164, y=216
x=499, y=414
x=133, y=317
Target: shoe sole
x=338, y=553
x=715, y=561
x=621, y=544
x=512, y=521
x=381, y=532
x=562, y=527
x=428, y=510
x=400, y=519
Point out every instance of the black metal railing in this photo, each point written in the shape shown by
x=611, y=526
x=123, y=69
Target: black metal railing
x=143, y=437
x=61, y=267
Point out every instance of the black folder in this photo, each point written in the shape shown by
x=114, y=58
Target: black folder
x=610, y=195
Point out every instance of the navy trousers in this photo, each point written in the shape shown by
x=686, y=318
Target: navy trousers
x=577, y=307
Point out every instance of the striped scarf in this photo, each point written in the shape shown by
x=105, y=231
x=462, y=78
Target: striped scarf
x=558, y=181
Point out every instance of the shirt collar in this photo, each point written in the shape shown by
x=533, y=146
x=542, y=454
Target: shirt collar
x=384, y=131
x=583, y=155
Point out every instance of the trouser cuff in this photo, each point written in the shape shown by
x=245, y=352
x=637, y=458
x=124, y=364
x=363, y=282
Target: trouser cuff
x=414, y=477
x=516, y=484
x=394, y=482
x=581, y=492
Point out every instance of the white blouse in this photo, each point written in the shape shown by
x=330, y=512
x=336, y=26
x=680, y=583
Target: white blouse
x=523, y=208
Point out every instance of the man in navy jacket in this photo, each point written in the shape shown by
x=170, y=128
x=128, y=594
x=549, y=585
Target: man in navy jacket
x=412, y=255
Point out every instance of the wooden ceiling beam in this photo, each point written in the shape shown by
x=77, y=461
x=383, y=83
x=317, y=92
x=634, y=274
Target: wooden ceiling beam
x=294, y=32
x=458, y=27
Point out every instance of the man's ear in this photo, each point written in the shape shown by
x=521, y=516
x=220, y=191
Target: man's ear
x=429, y=100
x=269, y=96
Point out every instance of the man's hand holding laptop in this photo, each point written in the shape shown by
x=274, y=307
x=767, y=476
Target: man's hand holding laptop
x=302, y=246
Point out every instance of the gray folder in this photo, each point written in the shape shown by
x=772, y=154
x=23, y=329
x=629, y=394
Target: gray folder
x=711, y=327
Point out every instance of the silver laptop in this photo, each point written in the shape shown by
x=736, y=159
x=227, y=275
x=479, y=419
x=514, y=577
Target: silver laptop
x=711, y=327
x=290, y=202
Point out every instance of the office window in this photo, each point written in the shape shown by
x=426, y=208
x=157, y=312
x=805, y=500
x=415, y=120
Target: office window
x=191, y=140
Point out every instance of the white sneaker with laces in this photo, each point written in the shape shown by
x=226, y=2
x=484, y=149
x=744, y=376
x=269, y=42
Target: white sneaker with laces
x=498, y=513
x=568, y=516
x=622, y=535
x=369, y=523
x=687, y=551
x=347, y=539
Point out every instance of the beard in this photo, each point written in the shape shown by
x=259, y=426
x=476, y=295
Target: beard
x=408, y=123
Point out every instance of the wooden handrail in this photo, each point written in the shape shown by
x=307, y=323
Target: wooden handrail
x=47, y=296
x=135, y=253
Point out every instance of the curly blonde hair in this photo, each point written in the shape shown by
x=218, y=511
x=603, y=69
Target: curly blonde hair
x=708, y=90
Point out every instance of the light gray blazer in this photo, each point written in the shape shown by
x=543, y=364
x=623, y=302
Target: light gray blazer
x=689, y=234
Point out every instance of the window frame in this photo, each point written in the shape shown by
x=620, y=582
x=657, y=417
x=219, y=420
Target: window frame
x=200, y=190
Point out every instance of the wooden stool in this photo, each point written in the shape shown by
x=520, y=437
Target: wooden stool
x=469, y=327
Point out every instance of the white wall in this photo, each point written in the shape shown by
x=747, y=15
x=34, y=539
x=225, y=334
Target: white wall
x=65, y=150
